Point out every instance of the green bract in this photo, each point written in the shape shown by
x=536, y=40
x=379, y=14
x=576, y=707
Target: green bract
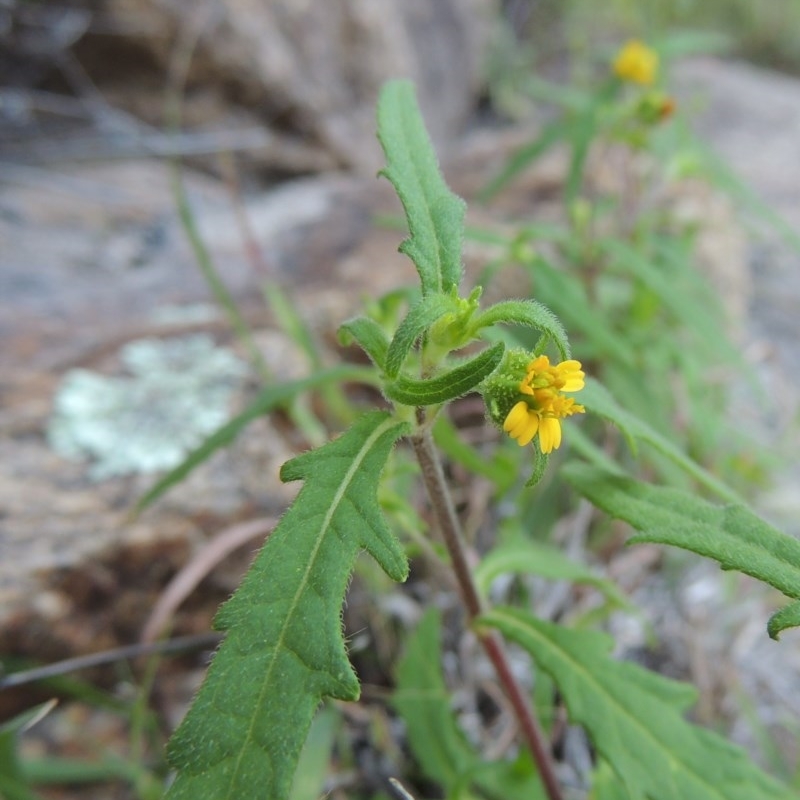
x=501, y=390
x=448, y=385
x=420, y=318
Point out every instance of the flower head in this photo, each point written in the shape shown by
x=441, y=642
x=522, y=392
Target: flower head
x=541, y=404
x=637, y=63
x=654, y=107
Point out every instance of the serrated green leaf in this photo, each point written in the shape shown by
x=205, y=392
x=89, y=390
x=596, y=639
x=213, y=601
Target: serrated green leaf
x=449, y=385
x=422, y=700
x=269, y=399
x=284, y=649
x=369, y=336
x=731, y=534
x=526, y=557
x=633, y=717
x=598, y=400
x=528, y=313
x=787, y=617
x=419, y=318
x=435, y=215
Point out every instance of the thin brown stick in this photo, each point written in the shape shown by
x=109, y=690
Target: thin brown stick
x=439, y=494
x=126, y=652
x=186, y=580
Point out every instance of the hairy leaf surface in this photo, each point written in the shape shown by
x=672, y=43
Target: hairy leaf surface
x=284, y=650
x=369, y=336
x=731, y=534
x=540, y=462
x=528, y=313
x=435, y=215
x=419, y=318
x=634, y=718
x=787, y=617
x=449, y=385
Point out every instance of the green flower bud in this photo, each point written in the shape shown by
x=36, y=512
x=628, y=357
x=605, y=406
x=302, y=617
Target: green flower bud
x=501, y=389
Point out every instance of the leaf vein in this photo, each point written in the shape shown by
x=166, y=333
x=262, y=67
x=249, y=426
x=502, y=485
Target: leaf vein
x=599, y=689
x=358, y=457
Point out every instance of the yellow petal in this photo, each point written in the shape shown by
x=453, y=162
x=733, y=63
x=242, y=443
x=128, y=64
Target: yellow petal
x=571, y=375
x=573, y=383
x=539, y=364
x=521, y=423
x=549, y=434
x=529, y=430
x=570, y=365
x=518, y=413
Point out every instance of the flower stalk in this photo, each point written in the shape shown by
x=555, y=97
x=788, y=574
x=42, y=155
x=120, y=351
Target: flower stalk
x=445, y=514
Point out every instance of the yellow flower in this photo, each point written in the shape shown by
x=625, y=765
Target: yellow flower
x=542, y=405
x=637, y=63
x=522, y=423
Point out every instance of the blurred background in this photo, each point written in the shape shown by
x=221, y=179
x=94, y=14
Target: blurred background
x=162, y=161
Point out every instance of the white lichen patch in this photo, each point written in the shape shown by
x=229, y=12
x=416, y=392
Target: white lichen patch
x=177, y=392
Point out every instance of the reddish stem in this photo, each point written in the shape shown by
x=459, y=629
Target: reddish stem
x=443, y=510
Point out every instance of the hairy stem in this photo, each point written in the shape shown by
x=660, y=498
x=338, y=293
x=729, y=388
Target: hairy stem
x=441, y=501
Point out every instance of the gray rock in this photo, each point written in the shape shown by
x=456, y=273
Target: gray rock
x=313, y=70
